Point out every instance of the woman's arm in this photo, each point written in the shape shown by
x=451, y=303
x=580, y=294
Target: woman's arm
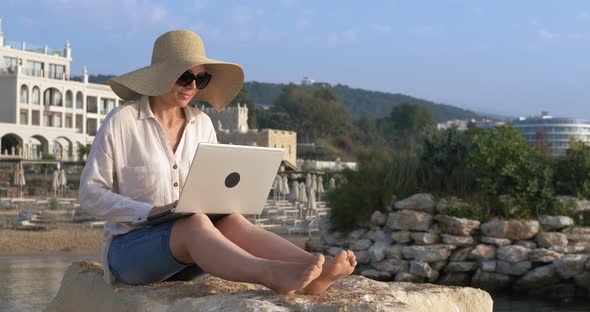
x=99, y=179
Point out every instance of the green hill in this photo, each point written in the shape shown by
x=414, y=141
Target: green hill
x=359, y=101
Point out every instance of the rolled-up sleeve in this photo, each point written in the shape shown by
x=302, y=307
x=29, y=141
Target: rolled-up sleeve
x=98, y=181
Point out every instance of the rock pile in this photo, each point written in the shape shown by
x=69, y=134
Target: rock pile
x=417, y=242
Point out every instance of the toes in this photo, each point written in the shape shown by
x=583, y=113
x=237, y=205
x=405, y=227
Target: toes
x=350, y=254
x=341, y=256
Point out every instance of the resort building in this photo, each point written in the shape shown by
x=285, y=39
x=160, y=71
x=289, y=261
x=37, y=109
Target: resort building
x=43, y=111
x=553, y=133
x=231, y=127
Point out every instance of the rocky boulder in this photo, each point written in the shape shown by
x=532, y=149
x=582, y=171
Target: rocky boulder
x=549, y=239
x=429, y=254
x=83, y=286
x=513, y=229
x=409, y=220
x=555, y=222
x=421, y=202
x=456, y=226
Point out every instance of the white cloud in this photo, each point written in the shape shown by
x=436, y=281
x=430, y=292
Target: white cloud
x=264, y=34
x=159, y=14
x=333, y=38
x=199, y=5
x=544, y=33
x=26, y=21
x=423, y=29
x=241, y=15
x=380, y=28
x=345, y=36
x=206, y=31
x=350, y=34
x=301, y=23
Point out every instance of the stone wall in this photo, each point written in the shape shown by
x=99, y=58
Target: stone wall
x=417, y=242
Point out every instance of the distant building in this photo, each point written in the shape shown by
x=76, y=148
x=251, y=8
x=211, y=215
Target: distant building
x=42, y=111
x=307, y=81
x=231, y=119
x=460, y=124
x=310, y=82
x=488, y=123
x=231, y=126
x=553, y=133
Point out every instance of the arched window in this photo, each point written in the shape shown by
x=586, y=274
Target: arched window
x=36, y=96
x=79, y=100
x=52, y=96
x=24, y=94
x=69, y=99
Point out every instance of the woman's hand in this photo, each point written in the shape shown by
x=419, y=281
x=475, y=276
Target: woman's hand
x=159, y=209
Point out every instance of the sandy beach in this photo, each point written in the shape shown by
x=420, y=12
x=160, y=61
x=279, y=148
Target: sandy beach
x=77, y=239
x=67, y=238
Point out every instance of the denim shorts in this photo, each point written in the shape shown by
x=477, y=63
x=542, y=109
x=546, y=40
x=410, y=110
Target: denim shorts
x=142, y=256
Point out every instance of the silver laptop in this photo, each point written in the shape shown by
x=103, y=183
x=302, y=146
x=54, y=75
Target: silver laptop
x=225, y=179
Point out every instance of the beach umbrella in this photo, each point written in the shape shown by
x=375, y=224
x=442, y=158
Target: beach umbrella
x=320, y=188
x=332, y=183
x=308, y=180
x=302, y=193
x=276, y=184
x=311, y=203
x=19, y=178
x=314, y=182
x=294, y=194
x=63, y=181
x=282, y=190
x=286, y=186
x=55, y=183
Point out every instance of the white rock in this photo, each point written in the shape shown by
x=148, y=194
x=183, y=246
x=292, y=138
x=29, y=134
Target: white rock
x=421, y=202
x=555, y=222
x=495, y=241
x=457, y=240
x=513, y=253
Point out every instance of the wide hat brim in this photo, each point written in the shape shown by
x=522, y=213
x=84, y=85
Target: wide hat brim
x=157, y=79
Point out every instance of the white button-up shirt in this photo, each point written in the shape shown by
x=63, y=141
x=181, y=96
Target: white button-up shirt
x=132, y=168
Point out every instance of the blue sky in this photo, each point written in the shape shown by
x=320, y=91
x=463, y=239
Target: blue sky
x=504, y=57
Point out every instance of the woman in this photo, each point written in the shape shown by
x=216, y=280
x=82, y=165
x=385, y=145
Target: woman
x=137, y=166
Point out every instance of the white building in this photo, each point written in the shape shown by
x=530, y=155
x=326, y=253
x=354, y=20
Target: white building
x=42, y=111
x=554, y=133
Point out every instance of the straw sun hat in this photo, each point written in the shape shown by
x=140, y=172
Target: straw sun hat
x=175, y=52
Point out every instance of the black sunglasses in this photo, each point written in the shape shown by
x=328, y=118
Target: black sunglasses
x=202, y=79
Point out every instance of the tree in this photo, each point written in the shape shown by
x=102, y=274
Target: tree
x=504, y=163
x=83, y=150
x=406, y=125
x=541, y=141
x=442, y=160
x=313, y=115
x=572, y=170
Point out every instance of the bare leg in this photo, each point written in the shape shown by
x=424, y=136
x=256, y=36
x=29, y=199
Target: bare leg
x=265, y=244
x=196, y=240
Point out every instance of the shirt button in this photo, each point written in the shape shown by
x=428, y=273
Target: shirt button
x=175, y=166
x=175, y=184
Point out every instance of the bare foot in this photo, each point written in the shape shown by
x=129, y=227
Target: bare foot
x=287, y=277
x=335, y=268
